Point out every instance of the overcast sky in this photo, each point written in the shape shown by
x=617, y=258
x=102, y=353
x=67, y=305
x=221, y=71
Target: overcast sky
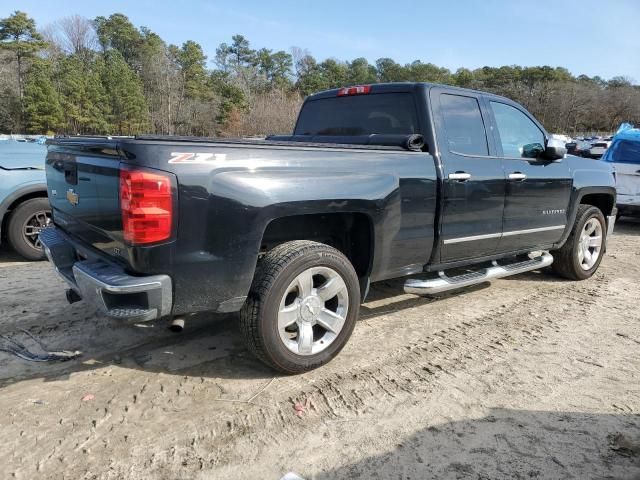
x=586, y=36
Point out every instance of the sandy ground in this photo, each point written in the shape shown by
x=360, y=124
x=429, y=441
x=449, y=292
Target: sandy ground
x=532, y=377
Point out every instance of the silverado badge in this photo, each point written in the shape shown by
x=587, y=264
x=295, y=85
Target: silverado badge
x=73, y=197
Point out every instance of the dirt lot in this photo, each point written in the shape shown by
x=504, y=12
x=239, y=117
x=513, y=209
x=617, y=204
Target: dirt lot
x=532, y=377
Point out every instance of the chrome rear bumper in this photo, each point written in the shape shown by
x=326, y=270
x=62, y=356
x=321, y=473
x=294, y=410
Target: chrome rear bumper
x=114, y=292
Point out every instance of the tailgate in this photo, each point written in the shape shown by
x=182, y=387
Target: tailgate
x=83, y=183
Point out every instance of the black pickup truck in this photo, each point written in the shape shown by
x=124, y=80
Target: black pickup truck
x=447, y=186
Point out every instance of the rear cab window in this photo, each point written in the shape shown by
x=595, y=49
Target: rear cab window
x=463, y=125
x=380, y=113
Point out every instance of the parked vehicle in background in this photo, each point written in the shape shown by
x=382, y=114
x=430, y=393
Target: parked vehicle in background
x=562, y=138
x=624, y=155
x=376, y=182
x=24, y=207
x=596, y=149
x=578, y=148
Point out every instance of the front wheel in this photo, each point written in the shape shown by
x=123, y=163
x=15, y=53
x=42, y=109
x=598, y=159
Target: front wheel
x=580, y=256
x=302, y=308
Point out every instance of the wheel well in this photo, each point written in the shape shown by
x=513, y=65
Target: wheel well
x=18, y=201
x=603, y=201
x=351, y=233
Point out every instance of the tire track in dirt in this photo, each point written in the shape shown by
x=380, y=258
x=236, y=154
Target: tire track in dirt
x=173, y=430
x=415, y=369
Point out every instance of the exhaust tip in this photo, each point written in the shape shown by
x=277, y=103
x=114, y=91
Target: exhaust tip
x=177, y=325
x=72, y=295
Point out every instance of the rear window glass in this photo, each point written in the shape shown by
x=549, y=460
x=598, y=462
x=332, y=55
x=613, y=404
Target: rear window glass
x=623, y=151
x=388, y=113
x=463, y=124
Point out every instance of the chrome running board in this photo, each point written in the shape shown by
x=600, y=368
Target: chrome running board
x=444, y=283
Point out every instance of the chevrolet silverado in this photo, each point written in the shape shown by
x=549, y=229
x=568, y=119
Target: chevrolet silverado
x=446, y=186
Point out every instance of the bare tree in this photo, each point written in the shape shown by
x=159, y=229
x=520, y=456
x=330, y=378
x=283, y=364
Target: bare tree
x=272, y=112
x=299, y=54
x=51, y=34
x=76, y=35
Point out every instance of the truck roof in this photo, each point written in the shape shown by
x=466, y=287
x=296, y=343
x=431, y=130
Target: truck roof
x=392, y=87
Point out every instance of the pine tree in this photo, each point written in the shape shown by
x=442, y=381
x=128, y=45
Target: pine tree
x=129, y=113
x=42, y=109
x=192, y=62
x=82, y=96
x=18, y=34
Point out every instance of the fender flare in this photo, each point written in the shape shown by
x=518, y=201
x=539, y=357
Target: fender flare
x=576, y=200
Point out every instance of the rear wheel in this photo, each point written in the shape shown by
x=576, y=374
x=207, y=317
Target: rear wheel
x=580, y=256
x=25, y=224
x=302, y=307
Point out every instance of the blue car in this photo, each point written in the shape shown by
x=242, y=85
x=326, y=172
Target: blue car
x=24, y=206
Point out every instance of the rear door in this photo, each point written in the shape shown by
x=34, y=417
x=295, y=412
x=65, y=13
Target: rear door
x=538, y=191
x=625, y=156
x=474, y=182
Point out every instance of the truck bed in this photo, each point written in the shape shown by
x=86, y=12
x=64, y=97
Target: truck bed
x=227, y=192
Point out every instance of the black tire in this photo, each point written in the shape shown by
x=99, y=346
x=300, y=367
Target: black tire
x=566, y=262
x=20, y=215
x=275, y=271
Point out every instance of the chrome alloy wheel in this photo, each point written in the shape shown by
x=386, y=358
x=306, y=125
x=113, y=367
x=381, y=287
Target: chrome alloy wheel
x=313, y=310
x=590, y=245
x=33, y=226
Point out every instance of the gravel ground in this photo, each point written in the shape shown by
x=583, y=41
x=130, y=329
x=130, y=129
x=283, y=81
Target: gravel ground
x=532, y=377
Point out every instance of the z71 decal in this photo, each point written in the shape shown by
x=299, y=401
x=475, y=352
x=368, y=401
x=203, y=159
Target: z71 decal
x=197, y=158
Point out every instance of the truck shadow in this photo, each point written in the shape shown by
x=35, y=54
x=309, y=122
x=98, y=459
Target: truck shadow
x=628, y=226
x=388, y=296
x=510, y=444
x=210, y=346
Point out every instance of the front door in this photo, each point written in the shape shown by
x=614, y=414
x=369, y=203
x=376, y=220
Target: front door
x=538, y=191
x=473, y=177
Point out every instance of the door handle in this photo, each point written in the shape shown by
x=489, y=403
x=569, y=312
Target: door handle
x=460, y=176
x=517, y=176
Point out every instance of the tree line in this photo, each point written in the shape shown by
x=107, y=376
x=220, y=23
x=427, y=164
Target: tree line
x=107, y=76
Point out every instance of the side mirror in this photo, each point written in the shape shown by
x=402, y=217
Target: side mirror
x=532, y=150
x=555, y=149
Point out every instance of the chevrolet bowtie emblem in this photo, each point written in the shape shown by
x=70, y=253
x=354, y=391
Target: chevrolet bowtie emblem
x=73, y=197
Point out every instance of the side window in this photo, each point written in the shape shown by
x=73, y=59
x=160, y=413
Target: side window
x=515, y=129
x=463, y=124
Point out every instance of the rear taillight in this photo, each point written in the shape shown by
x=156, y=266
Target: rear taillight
x=357, y=90
x=147, y=206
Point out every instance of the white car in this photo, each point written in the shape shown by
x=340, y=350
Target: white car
x=624, y=154
x=597, y=149
x=562, y=138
